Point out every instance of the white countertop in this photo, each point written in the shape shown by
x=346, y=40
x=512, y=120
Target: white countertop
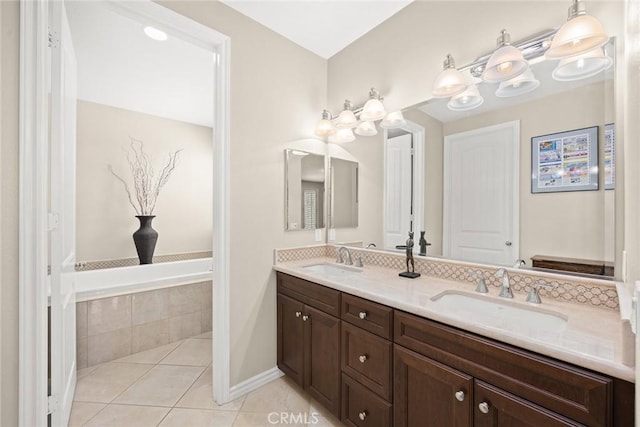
x=592, y=337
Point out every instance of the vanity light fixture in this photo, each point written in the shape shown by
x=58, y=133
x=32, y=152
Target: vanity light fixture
x=324, y=127
x=467, y=100
x=506, y=62
x=582, y=66
x=450, y=81
x=366, y=129
x=346, y=119
x=394, y=120
x=155, y=34
x=519, y=85
x=581, y=33
x=342, y=135
x=373, y=109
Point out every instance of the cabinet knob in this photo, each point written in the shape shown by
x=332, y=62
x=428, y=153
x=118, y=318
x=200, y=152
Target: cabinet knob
x=305, y=318
x=298, y=313
x=460, y=395
x=484, y=407
x=362, y=358
x=362, y=415
x=362, y=315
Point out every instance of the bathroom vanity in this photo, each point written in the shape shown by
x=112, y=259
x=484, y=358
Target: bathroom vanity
x=361, y=349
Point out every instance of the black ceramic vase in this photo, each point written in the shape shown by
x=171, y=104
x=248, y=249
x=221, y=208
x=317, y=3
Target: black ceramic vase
x=145, y=239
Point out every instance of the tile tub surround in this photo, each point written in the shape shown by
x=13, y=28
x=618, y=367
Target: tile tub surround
x=593, y=337
x=115, y=327
x=128, y=262
x=579, y=290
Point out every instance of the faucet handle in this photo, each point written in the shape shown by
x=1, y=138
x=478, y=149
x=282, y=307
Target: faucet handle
x=358, y=262
x=481, y=286
x=534, y=296
x=339, y=258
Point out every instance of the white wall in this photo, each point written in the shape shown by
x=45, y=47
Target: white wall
x=278, y=91
x=105, y=219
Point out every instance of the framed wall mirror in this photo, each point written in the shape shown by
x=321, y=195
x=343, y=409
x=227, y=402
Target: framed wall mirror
x=304, y=190
x=570, y=225
x=344, y=193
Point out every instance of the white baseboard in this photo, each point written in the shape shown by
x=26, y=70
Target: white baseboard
x=254, y=383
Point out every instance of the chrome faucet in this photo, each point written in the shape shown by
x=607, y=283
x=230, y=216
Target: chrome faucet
x=340, y=259
x=519, y=263
x=505, y=291
x=481, y=286
x=533, y=296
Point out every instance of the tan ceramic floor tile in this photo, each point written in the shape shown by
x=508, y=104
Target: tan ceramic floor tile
x=278, y=395
x=108, y=381
x=192, y=352
x=161, y=386
x=267, y=419
x=80, y=373
x=325, y=418
x=180, y=417
x=128, y=416
x=81, y=412
x=152, y=356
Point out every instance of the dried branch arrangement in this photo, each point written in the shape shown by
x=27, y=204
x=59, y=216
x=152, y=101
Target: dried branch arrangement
x=146, y=186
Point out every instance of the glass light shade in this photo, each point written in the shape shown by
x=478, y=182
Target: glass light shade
x=366, y=129
x=582, y=66
x=578, y=35
x=325, y=128
x=448, y=83
x=467, y=100
x=342, y=135
x=504, y=64
x=346, y=120
x=373, y=110
x=394, y=120
x=519, y=85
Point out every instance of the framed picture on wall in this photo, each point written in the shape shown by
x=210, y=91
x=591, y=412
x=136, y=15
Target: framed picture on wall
x=565, y=161
x=609, y=156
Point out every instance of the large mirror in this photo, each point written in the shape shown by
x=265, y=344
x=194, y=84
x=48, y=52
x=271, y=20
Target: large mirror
x=344, y=193
x=305, y=190
x=480, y=202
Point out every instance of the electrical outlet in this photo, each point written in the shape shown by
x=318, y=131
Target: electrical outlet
x=332, y=234
x=318, y=234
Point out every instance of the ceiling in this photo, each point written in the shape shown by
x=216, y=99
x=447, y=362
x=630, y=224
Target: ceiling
x=118, y=65
x=323, y=27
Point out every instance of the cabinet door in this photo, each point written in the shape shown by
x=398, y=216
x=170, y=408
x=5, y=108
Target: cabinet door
x=495, y=407
x=322, y=358
x=290, y=337
x=428, y=393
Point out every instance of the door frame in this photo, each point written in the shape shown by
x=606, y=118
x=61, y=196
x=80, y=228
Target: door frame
x=419, y=166
x=33, y=194
x=515, y=197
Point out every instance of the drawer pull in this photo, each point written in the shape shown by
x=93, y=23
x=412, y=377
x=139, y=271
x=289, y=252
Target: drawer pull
x=298, y=313
x=305, y=318
x=362, y=315
x=484, y=407
x=362, y=415
x=460, y=395
x=362, y=358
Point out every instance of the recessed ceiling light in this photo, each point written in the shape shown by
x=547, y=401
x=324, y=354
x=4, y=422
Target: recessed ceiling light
x=155, y=33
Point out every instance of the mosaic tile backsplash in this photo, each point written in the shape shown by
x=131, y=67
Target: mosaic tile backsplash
x=597, y=293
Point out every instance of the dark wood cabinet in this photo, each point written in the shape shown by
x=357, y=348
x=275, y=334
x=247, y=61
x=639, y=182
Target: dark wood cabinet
x=428, y=393
x=309, y=338
x=361, y=407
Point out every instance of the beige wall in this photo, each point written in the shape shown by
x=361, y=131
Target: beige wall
x=105, y=219
x=278, y=90
x=9, y=89
x=568, y=224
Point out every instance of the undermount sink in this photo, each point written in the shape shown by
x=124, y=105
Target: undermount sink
x=333, y=269
x=505, y=314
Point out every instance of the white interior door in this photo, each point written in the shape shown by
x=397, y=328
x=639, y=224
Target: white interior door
x=398, y=213
x=62, y=216
x=481, y=201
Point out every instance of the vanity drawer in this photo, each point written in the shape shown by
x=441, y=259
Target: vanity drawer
x=361, y=407
x=317, y=296
x=573, y=392
x=367, y=358
x=371, y=316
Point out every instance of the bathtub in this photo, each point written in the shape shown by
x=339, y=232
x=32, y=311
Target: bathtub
x=94, y=284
